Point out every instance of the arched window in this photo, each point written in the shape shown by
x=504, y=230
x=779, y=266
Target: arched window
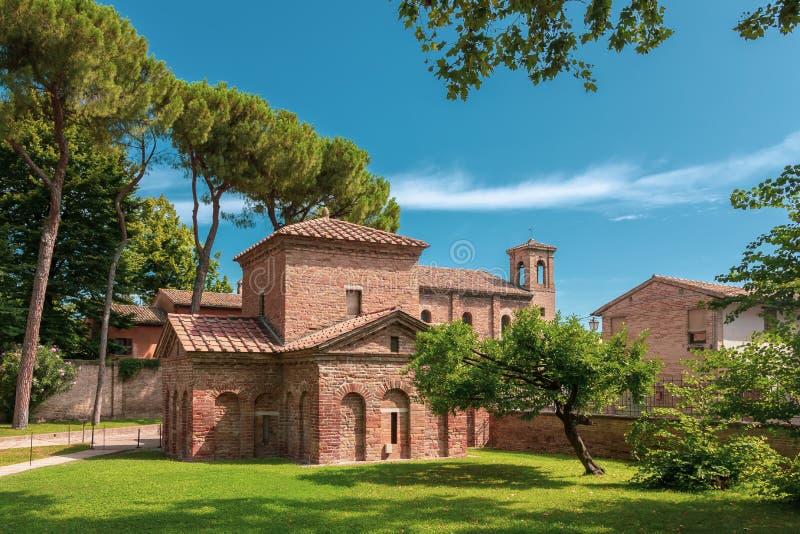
x=521, y=274
x=540, y=273
x=425, y=316
x=504, y=322
x=466, y=318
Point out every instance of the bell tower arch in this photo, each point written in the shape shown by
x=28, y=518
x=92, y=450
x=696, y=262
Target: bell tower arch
x=532, y=268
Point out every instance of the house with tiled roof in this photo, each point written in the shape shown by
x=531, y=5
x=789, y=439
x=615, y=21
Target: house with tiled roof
x=673, y=311
x=313, y=368
x=139, y=339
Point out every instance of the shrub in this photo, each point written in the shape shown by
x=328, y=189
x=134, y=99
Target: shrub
x=683, y=452
x=129, y=367
x=777, y=478
x=51, y=375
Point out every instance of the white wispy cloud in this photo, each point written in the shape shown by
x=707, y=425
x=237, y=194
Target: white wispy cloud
x=631, y=217
x=613, y=184
x=173, y=183
x=160, y=178
x=231, y=204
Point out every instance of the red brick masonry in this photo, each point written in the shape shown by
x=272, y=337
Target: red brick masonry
x=605, y=437
x=311, y=373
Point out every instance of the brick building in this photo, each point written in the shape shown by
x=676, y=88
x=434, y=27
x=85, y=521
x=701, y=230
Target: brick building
x=313, y=368
x=140, y=339
x=670, y=308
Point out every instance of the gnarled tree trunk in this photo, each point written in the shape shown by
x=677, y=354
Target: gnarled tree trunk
x=571, y=422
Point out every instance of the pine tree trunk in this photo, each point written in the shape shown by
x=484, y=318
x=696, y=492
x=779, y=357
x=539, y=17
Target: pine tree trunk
x=204, y=250
x=574, y=438
x=47, y=243
x=112, y=276
x=103, y=351
x=44, y=259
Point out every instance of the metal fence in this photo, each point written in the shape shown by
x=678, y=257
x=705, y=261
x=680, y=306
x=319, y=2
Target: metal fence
x=659, y=397
x=100, y=437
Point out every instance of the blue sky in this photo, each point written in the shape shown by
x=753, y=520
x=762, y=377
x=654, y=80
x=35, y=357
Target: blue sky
x=627, y=182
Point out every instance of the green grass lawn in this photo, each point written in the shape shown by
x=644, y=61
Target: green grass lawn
x=487, y=491
x=47, y=428
x=15, y=456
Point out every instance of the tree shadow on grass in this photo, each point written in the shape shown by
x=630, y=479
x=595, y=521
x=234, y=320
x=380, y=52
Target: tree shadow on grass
x=25, y=511
x=450, y=473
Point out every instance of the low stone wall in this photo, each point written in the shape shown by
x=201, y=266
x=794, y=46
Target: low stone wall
x=137, y=397
x=605, y=437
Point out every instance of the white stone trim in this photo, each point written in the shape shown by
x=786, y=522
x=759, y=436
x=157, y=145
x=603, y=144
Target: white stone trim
x=394, y=410
x=261, y=413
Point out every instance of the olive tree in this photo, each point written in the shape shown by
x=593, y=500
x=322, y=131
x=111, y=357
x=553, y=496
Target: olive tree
x=537, y=364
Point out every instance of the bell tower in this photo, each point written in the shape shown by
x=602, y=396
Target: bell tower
x=531, y=267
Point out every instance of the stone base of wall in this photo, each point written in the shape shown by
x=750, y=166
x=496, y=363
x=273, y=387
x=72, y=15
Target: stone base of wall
x=605, y=437
x=137, y=397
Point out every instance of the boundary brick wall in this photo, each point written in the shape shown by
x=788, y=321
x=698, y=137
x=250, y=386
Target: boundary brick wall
x=605, y=437
x=138, y=397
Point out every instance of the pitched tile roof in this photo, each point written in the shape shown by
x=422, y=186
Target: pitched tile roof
x=720, y=290
x=532, y=243
x=338, y=230
x=336, y=330
x=141, y=315
x=183, y=297
x=466, y=280
x=211, y=333
x=708, y=288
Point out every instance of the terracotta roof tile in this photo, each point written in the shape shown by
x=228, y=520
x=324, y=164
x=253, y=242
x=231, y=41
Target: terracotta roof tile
x=211, y=333
x=338, y=230
x=182, y=297
x=320, y=336
x=532, y=243
x=721, y=290
x=708, y=288
x=466, y=280
x=141, y=315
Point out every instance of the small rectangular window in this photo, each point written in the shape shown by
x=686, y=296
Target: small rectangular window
x=541, y=313
x=394, y=428
x=697, y=326
x=770, y=316
x=617, y=324
x=353, y=298
x=264, y=429
x=394, y=344
x=124, y=346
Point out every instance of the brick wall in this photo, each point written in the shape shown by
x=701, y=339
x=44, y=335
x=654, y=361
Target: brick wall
x=486, y=310
x=264, y=272
x=605, y=437
x=378, y=382
x=663, y=309
x=139, y=397
x=317, y=276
